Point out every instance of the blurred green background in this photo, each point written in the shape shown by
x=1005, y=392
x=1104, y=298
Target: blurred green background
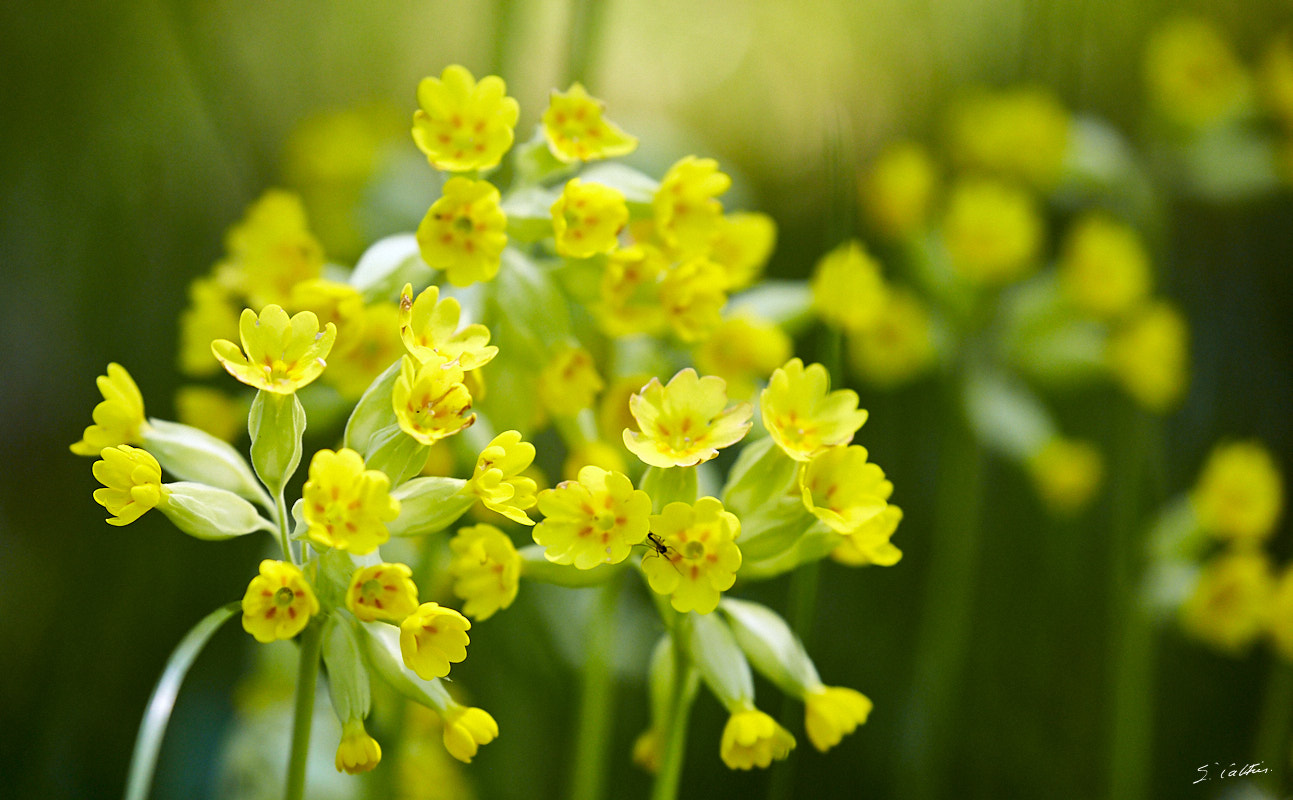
x=135, y=133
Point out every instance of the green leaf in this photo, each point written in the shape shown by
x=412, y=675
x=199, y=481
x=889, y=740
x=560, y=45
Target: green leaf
x=529, y=213
x=762, y=474
x=397, y=454
x=373, y=412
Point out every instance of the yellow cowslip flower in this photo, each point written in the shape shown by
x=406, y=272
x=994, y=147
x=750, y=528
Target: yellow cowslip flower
x=278, y=603
x=751, y=739
x=463, y=125
x=347, y=506
x=382, y=591
x=1280, y=624
x=844, y=490
x=433, y=637
x=1104, y=268
x=429, y=327
x=630, y=291
x=741, y=351
x=576, y=131
x=1231, y=602
x=568, y=382
x=464, y=232
x=358, y=752
x=898, y=190
x=431, y=402
x=684, y=422
x=352, y=370
x=595, y=452
x=211, y=410
x=898, y=346
x=278, y=354
x=1192, y=76
x=1021, y=133
x=271, y=250
x=119, y=418
x=1276, y=78
x=700, y=556
x=848, y=291
x=211, y=314
x=466, y=729
x=132, y=483
x=587, y=219
x=833, y=712
x=486, y=569
x=1240, y=494
x=1067, y=473
x=497, y=479
x=685, y=211
x=742, y=246
x=801, y=417
x=992, y=231
x=692, y=295
x=870, y=544
x=1149, y=355
x=593, y=520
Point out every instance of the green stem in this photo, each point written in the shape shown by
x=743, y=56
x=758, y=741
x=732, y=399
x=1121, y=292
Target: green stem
x=1274, y=729
x=586, y=19
x=284, y=532
x=303, y=716
x=801, y=612
x=596, y=704
x=685, y=682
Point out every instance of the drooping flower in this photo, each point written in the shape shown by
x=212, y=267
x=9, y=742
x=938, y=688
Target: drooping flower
x=278, y=603
x=751, y=739
x=347, y=506
x=569, y=382
x=1231, y=602
x=692, y=295
x=741, y=351
x=898, y=191
x=464, y=232
x=486, y=569
x=594, y=520
x=463, y=125
x=132, y=483
x=497, y=478
x=844, y=490
x=1104, y=269
x=1240, y=494
x=466, y=729
x=382, y=591
x=430, y=400
x=279, y=354
x=686, y=213
x=742, y=245
x=118, y=419
x=684, y=422
x=898, y=345
x=869, y=543
x=848, y=291
x=433, y=637
x=429, y=327
x=802, y=418
x=587, y=219
x=992, y=231
x=833, y=712
x=1149, y=356
x=576, y=130
x=700, y=557
x=1067, y=473
x=358, y=752
x=271, y=250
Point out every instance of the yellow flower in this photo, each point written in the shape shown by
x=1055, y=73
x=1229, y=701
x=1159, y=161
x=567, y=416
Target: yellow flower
x=347, y=506
x=700, y=557
x=1281, y=615
x=1020, y=133
x=742, y=246
x=741, y=351
x=279, y=354
x=684, y=422
x=1149, y=355
x=497, y=479
x=271, y=250
x=278, y=603
x=430, y=400
x=352, y=370
x=358, y=752
x=587, y=219
x=899, y=189
x=685, y=211
x=833, y=712
x=211, y=410
x=614, y=413
x=466, y=729
x=751, y=739
x=1104, y=270
x=568, y=382
x=1067, y=473
x=431, y=638
x=870, y=544
x=486, y=569
x=463, y=125
x=211, y=314
x=1231, y=602
x=844, y=490
x=132, y=481
x=848, y=291
x=338, y=303
x=594, y=520
x=801, y=417
x=992, y=231
x=630, y=291
x=898, y=346
x=382, y=591
x=595, y=452
x=1276, y=78
x=464, y=232
x=692, y=295
x=576, y=131
x=119, y=419
x=1191, y=74
x=429, y=327
x=1240, y=494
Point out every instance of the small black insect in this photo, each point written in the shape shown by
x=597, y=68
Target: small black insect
x=659, y=548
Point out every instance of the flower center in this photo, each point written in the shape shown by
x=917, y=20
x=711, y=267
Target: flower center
x=370, y=588
x=605, y=521
x=284, y=597
x=693, y=550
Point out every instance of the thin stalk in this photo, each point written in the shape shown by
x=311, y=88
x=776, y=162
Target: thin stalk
x=800, y=613
x=1274, y=728
x=596, y=704
x=586, y=20
x=280, y=508
x=307, y=677
x=686, y=681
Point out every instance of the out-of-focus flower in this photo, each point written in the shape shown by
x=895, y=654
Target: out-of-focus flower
x=1231, y=601
x=464, y=232
x=1104, y=269
x=271, y=250
x=382, y=591
x=594, y=520
x=1067, y=473
x=742, y=246
x=741, y=351
x=1020, y=133
x=486, y=569
x=844, y=490
x=335, y=302
x=463, y=125
x=869, y=543
x=211, y=410
x=1281, y=616
x=898, y=345
x=497, y=478
x=211, y=314
x=700, y=557
x=1276, y=79
x=132, y=483
x=596, y=452
x=352, y=370
x=279, y=354
x=1192, y=76
x=1148, y=354
x=614, y=413
x=648, y=750
x=568, y=382
x=751, y=739
x=1240, y=493
x=576, y=130
x=684, y=422
x=118, y=419
x=833, y=712
x=630, y=291
x=430, y=400
x=992, y=231
x=345, y=505
x=278, y=603
x=587, y=219
x=692, y=295
x=358, y=752
x=848, y=291
x=686, y=214
x=432, y=638
x=429, y=327
x=802, y=418
x=466, y=729
x=898, y=190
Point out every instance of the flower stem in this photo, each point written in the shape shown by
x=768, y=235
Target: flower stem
x=1274, y=727
x=801, y=611
x=596, y=704
x=686, y=680
x=284, y=540
x=586, y=18
x=306, y=680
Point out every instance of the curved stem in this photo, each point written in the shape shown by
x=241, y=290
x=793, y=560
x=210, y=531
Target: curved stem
x=596, y=703
x=685, y=683
x=306, y=679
